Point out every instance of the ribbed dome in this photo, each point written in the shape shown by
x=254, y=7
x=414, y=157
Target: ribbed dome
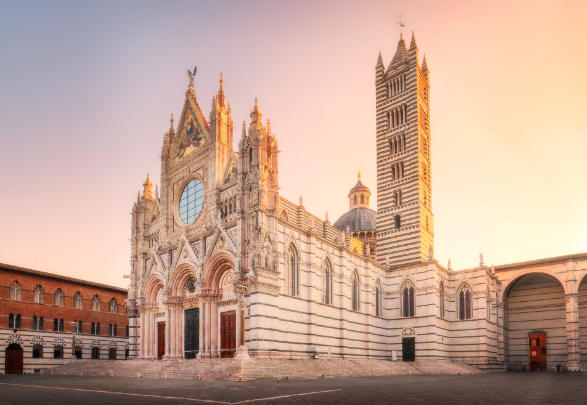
x=357, y=219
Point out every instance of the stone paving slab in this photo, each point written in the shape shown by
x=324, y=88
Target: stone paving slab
x=502, y=388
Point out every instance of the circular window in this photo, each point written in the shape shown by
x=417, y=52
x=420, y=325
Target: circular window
x=191, y=201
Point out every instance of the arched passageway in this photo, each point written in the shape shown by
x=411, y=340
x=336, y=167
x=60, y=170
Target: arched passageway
x=535, y=306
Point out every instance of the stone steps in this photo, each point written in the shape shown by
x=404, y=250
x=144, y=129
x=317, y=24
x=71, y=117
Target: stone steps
x=257, y=369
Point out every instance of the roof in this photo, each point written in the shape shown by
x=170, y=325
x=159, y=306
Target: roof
x=359, y=187
x=541, y=261
x=401, y=55
x=24, y=270
x=357, y=219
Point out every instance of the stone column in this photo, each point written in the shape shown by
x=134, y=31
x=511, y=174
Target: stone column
x=201, y=343
x=573, y=354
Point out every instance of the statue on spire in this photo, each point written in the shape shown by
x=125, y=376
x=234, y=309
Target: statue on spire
x=191, y=75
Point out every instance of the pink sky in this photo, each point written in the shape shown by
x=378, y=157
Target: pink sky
x=86, y=90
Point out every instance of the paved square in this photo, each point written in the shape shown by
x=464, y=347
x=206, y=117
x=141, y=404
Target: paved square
x=503, y=388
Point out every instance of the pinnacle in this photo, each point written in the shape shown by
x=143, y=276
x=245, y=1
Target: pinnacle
x=413, y=42
x=424, y=64
x=379, y=60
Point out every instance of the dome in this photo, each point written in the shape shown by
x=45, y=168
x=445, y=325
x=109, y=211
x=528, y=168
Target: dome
x=357, y=219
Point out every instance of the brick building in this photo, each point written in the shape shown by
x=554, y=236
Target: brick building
x=46, y=319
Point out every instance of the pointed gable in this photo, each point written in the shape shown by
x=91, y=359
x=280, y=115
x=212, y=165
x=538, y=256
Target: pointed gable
x=230, y=170
x=193, y=131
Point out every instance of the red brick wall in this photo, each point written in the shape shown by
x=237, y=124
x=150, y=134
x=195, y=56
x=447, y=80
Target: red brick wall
x=27, y=309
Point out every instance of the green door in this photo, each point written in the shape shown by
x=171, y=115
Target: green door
x=192, y=333
x=409, y=349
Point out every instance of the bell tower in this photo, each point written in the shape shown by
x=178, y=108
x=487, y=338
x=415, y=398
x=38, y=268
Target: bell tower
x=405, y=225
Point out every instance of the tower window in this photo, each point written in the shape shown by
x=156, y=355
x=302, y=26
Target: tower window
x=398, y=222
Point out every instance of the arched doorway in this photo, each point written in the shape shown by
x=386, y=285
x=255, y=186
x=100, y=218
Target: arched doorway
x=537, y=352
x=535, y=308
x=13, y=359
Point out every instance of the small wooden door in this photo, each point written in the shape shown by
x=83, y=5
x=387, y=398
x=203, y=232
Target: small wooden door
x=408, y=349
x=13, y=359
x=537, y=352
x=160, y=340
x=228, y=334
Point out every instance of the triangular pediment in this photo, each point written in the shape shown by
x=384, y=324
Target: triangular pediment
x=193, y=132
x=230, y=171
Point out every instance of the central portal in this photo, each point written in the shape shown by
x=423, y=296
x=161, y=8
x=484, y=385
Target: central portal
x=228, y=334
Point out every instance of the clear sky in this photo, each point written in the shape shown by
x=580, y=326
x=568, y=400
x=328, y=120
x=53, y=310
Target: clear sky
x=87, y=88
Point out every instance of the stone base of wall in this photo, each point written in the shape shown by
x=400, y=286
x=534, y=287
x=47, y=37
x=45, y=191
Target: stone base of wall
x=257, y=369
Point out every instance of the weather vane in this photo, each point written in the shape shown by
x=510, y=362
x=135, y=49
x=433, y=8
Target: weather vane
x=400, y=23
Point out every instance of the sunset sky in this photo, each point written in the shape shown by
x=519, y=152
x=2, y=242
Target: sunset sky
x=87, y=89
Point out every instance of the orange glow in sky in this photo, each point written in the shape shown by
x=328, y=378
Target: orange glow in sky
x=86, y=91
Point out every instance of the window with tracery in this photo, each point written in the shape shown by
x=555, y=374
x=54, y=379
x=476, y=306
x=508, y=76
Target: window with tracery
x=96, y=303
x=293, y=272
x=378, y=301
x=465, y=304
x=15, y=291
x=408, y=301
x=355, y=292
x=77, y=300
x=59, y=298
x=327, y=289
x=38, y=295
x=113, y=306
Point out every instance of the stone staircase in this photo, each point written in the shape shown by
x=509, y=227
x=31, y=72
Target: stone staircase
x=491, y=366
x=257, y=369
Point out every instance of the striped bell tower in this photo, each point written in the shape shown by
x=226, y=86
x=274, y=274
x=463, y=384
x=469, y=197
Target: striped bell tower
x=405, y=225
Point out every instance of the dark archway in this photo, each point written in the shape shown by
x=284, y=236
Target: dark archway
x=13, y=360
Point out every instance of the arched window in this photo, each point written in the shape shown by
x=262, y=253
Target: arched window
x=96, y=303
x=15, y=291
x=95, y=353
x=37, y=323
x=79, y=327
x=355, y=201
x=441, y=298
x=38, y=295
x=59, y=298
x=11, y=321
x=98, y=328
x=113, y=306
x=93, y=329
x=355, y=292
x=78, y=301
x=362, y=199
x=378, y=300
x=127, y=331
x=327, y=290
x=293, y=275
x=408, y=301
x=398, y=221
x=465, y=307
x=58, y=325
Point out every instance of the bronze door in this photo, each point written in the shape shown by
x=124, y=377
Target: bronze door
x=13, y=359
x=228, y=334
x=160, y=340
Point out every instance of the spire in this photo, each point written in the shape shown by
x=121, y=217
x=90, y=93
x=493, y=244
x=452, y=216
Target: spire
x=171, y=122
x=413, y=42
x=221, y=91
x=148, y=187
x=244, y=128
x=379, y=61
x=268, y=127
x=401, y=55
x=256, y=114
x=425, y=66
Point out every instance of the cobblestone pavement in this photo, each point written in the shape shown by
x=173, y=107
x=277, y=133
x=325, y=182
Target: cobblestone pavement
x=502, y=388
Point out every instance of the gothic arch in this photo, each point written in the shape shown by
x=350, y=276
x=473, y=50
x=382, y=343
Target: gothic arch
x=153, y=286
x=216, y=267
x=179, y=277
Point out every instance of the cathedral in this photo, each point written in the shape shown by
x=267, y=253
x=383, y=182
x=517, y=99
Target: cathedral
x=223, y=266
